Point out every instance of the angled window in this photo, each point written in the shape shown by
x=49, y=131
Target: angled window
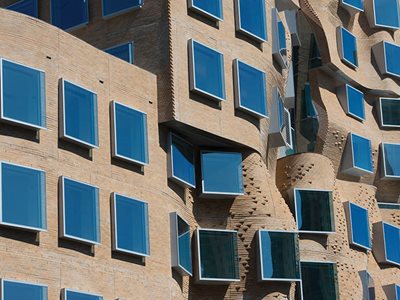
x=357, y=156
x=386, y=56
x=23, y=197
x=210, y=8
x=389, y=112
x=123, y=51
x=352, y=6
x=279, y=257
x=181, y=246
x=206, y=71
x=15, y=290
x=385, y=13
x=181, y=161
x=78, y=115
x=347, y=46
x=390, y=154
x=112, y=8
x=217, y=256
x=386, y=244
x=69, y=14
x=392, y=291
x=358, y=225
x=251, y=18
x=68, y=294
x=278, y=39
x=79, y=203
x=352, y=101
x=130, y=225
x=368, y=285
x=129, y=134
x=27, y=7
x=23, y=106
x=280, y=130
x=250, y=89
x=221, y=173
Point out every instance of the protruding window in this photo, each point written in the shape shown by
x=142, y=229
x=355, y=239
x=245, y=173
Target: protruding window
x=251, y=18
x=27, y=7
x=352, y=101
x=112, y=8
x=69, y=14
x=386, y=245
x=280, y=130
x=278, y=39
x=383, y=13
x=390, y=154
x=180, y=244
x=389, y=112
x=358, y=225
x=347, y=46
x=14, y=290
x=368, y=285
x=68, y=294
x=357, y=159
x=210, y=8
x=123, y=51
x=352, y=6
x=386, y=56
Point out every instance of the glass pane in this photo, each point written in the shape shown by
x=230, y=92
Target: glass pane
x=252, y=17
x=389, y=205
x=349, y=47
x=185, y=255
x=25, y=104
x=392, y=242
x=111, y=7
x=390, y=112
x=18, y=291
x=362, y=153
x=398, y=291
x=81, y=296
x=182, y=160
x=212, y=7
x=124, y=52
x=68, y=14
x=355, y=102
x=319, y=281
x=281, y=112
x=360, y=226
x=281, y=38
x=386, y=13
x=392, y=159
x=309, y=105
x=28, y=7
x=392, y=53
x=358, y=4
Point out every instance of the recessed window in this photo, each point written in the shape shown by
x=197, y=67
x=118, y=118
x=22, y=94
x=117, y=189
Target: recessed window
x=347, y=44
x=389, y=112
x=80, y=214
x=251, y=19
x=206, y=71
x=352, y=101
x=23, y=106
x=129, y=127
x=217, y=255
x=250, y=88
x=353, y=5
x=68, y=294
x=357, y=159
x=221, y=173
x=390, y=160
x=181, y=246
x=358, y=225
x=279, y=256
x=123, y=51
x=210, y=8
x=27, y=7
x=69, y=14
x=278, y=39
x=181, y=161
x=23, y=205
x=386, y=245
x=112, y=8
x=131, y=225
x=385, y=14
x=14, y=290
x=79, y=115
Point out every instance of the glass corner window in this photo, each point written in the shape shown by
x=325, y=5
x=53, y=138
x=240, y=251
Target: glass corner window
x=68, y=294
x=278, y=39
x=389, y=112
x=353, y=5
x=181, y=245
x=347, y=43
x=211, y=8
x=391, y=55
x=251, y=18
x=27, y=7
x=112, y=8
x=69, y=14
x=390, y=154
x=122, y=51
x=12, y=290
x=357, y=159
x=386, y=14
x=358, y=225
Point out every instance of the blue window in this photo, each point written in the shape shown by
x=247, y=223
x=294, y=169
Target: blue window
x=347, y=47
x=357, y=5
x=131, y=225
x=69, y=14
x=217, y=255
x=278, y=39
x=221, y=173
x=251, y=18
x=386, y=13
x=391, y=160
x=25, y=106
x=23, y=197
x=392, y=63
x=16, y=290
x=209, y=8
x=76, y=295
x=389, y=112
x=279, y=255
x=251, y=93
x=116, y=7
x=181, y=246
x=207, y=71
x=391, y=238
x=361, y=153
x=397, y=291
x=80, y=211
x=27, y=7
x=129, y=134
x=123, y=51
x=181, y=157
x=79, y=122
x=358, y=225
x=355, y=102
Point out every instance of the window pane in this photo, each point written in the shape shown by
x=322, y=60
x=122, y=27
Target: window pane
x=360, y=226
x=182, y=160
x=281, y=38
x=398, y=291
x=349, y=47
x=124, y=52
x=390, y=112
x=17, y=291
x=69, y=14
x=386, y=13
x=392, y=53
x=71, y=295
x=358, y=4
x=362, y=152
x=209, y=7
x=111, y=7
x=392, y=159
x=185, y=255
x=355, y=102
x=319, y=281
x=392, y=242
x=28, y=7
x=252, y=17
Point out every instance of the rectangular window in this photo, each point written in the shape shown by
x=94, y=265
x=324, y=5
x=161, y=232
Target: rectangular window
x=280, y=130
x=123, y=51
x=355, y=5
x=23, y=205
x=279, y=256
x=358, y=225
x=357, y=156
x=347, y=44
x=390, y=160
x=221, y=173
x=217, y=255
x=389, y=112
x=80, y=214
x=79, y=115
x=206, y=71
x=367, y=285
x=68, y=294
x=386, y=13
x=392, y=63
x=112, y=8
x=181, y=246
x=251, y=18
x=352, y=101
x=250, y=88
x=27, y=7
x=385, y=205
x=130, y=225
x=210, y=8
x=24, y=106
x=391, y=240
x=129, y=128
x=278, y=39
x=14, y=290
x=69, y=14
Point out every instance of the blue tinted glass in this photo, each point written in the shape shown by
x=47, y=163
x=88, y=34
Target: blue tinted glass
x=392, y=242
x=182, y=160
x=310, y=109
x=252, y=17
x=18, y=291
x=281, y=36
x=23, y=196
x=392, y=53
x=386, y=13
x=81, y=296
x=131, y=134
x=209, y=7
x=390, y=112
x=112, y=7
x=132, y=230
x=208, y=71
x=252, y=91
x=69, y=14
x=80, y=114
x=360, y=225
x=27, y=104
x=81, y=211
x=358, y=4
x=222, y=172
x=362, y=153
x=184, y=248
x=281, y=112
x=28, y=7
x=349, y=44
x=319, y=281
x=392, y=159
x=124, y=52
x=355, y=102
x=398, y=292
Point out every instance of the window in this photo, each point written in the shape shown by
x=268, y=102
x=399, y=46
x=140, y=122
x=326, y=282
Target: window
x=389, y=112
x=392, y=52
x=24, y=106
x=353, y=5
x=250, y=89
x=23, y=205
x=280, y=130
x=27, y=7
x=217, y=255
x=367, y=285
x=112, y=8
x=69, y=14
x=221, y=173
x=123, y=51
x=357, y=156
x=278, y=39
x=181, y=161
x=80, y=215
x=68, y=294
x=14, y=290
x=210, y=8
x=131, y=225
x=358, y=225
x=129, y=127
x=180, y=244
x=206, y=71
x=385, y=205
x=352, y=101
x=314, y=211
x=347, y=46
x=279, y=255
x=390, y=160
x=386, y=14
x=386, y=244
x=79, y=115
x=251, y=19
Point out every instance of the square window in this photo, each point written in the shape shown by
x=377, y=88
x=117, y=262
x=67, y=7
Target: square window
x=250, y=88
x=392, y=63
x=390, y=160
x=15, y=290
x=79, y=203
x=79, y=115
x=123, y=51
x=278, y=39
x=130, y=225
x=112, y=8
x=209, y=8
x=357, y=156
x=358, y=225
x=352, y=101
x=386, y=14
x=251, y=18
x=206, y=71
x=217, y=255
x=69, y=14
x=353, y=5
x=279, y=256
x=389, y=112
x=347, y=46
x=129, y=127
x=27, y=7
x=27, y=106
x=68, y=294
x=23, y=205
x=221, y=173
x=181, y=246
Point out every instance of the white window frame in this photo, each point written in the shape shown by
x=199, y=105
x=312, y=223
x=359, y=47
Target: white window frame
x=350, y=8
x=206, y=13
x=175, y=244
x=379, y=245
x=340, y=44
x=280, y=59
x=384, y=175
x=375, y=24
x=343, y=96
x=238, y=21
x=3, y=280
x=380, y=112
x=121, y=12
x=348, y=162
x=65, y=290
x=347, y=210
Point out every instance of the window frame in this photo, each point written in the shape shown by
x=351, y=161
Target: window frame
x=341, y=47
x=131, y=51
x=75, y=27
x=10, y=7
x=382, y=25
x=387, y=260
x=65, y=290
x=176, y=265
x=353, y=156
x=343, y=95
x=348, y=158
x=3, y=280
x=383, y=161
x=348, y=212
x=380, y=112
x=205, y=13
x=239, y=28
x=276, y=51
x=387, y=72
x=120, y=12
x=345, y=4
